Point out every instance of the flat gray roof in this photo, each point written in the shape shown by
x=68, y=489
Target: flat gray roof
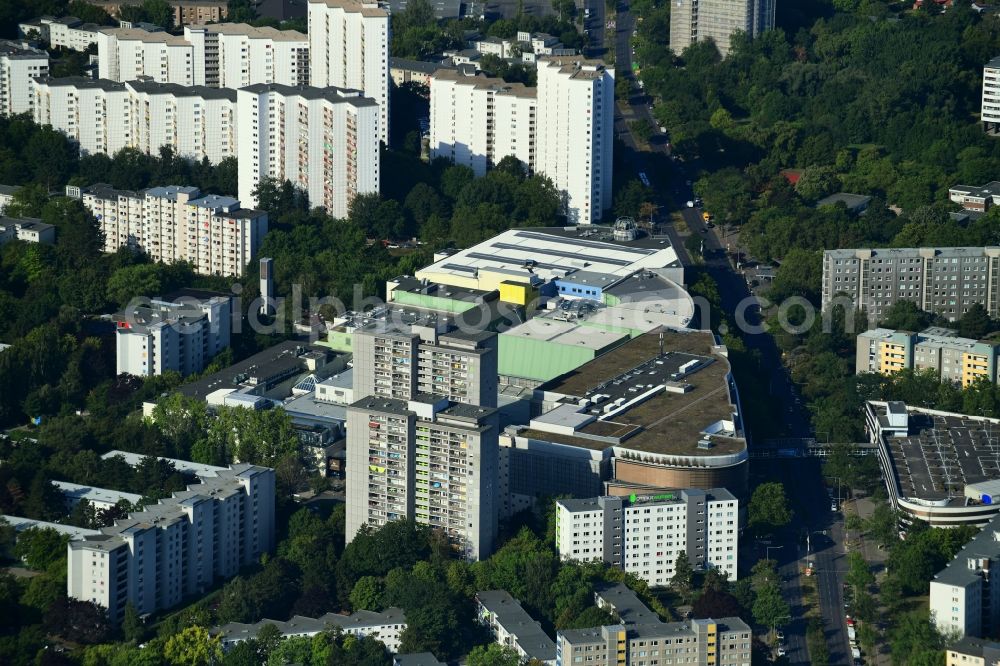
x=985, y=545
x=416, y=659
x=297, y=625
x=94, y=494
x=20, y=524
x=183, y=466
x=942, y=454
x=626, y=604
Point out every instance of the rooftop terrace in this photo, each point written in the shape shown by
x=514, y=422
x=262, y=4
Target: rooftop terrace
x=688, y=389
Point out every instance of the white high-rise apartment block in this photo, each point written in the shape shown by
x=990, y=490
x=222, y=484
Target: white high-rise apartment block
x=324, y=141
x=349, y=48
x=477, y=121
x=644, y=535
x=223, y=55
x=234, y=55
x=432, y=450
x=575, y=133
x=562, y=129
x=692, y=21
x=991, y=96
x=175, y=223
x=103, y=116
x=125, y=54
x=181, y=335
x=93, y=112
x=196, y=121
x=178, y=547
x=19, y=64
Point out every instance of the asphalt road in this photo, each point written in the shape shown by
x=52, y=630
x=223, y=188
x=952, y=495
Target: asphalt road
x=802, y=477
x=824, y=548
x=594, y=26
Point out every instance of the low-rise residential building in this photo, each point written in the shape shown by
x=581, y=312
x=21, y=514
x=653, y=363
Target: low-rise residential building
x=387, y=627
x=974, y=198
x=325, y=141
x=525, y=47
x=964, y=598
x=67, y=32
x=7, y=193
x=21, y=524
x=20, y=63
x=421, y=72
x=27, y=229
x=176, y=223
x=416, y=659
x=972, y=652
x=185, y=11
x=199, y=11
x=187, y=467
x=178, y=547
x=644, y=535
x=71, y=33
x=180, y=334
x=957, y=360
x=511, y=626
x=99, y=498
x=856, y=204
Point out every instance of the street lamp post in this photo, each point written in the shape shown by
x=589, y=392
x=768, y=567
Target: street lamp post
x=839, y=484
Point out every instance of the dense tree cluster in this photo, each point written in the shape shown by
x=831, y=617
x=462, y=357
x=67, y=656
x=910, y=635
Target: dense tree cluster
x=28, y=468
x=830, y=99
x=417, y=34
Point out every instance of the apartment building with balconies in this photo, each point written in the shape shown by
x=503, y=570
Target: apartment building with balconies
x=944, y=280
x=644, y=534
x=176, y=223
x=178, y=547
x=349, y=48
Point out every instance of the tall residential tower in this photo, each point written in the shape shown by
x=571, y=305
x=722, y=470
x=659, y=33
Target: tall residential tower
x=349, y=48
x=697, y=20
x=425, y=422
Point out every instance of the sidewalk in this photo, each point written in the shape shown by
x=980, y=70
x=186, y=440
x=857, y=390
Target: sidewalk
x=876, y=559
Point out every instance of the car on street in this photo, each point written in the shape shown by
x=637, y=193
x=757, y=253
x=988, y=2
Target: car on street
x=780, y=635
x=781, y=651
x=690, y=204
x=833, y=505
